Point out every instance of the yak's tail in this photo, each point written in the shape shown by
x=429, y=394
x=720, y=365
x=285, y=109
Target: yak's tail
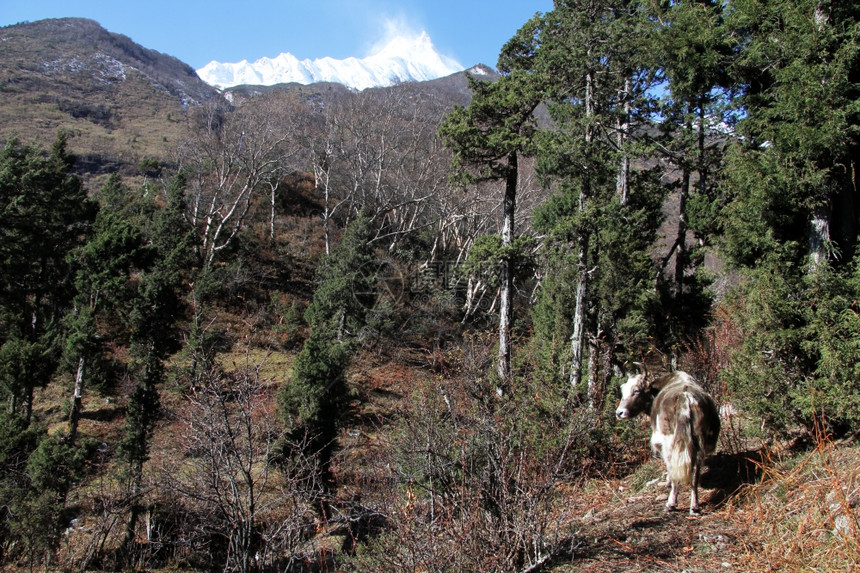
x=683, y=451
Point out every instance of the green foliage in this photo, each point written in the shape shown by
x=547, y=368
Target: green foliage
x=25, y=364
x=346, y=283
x=45, y=212
x=114, y=249
x=622, y=284
x=142, y=413
x=314, y=400
x=759, y=223
x=801, y=128
x=796, y=363
x=496, y=124
x=46, y=215
x=291, y=326
x=55, y=465
x=37, y=515
x=150, y=166
x=84, y=341
x=168, y=260
x=17, y=441
x=103, y=267
x=37, y=472
x=833, y=338
x=487, y=255
x=696, y=49
x=621, y=269
x=552, y=313
x=152, y=316
x=595, y=62
x=316, y=394
x=476, y=472
x=790, y=221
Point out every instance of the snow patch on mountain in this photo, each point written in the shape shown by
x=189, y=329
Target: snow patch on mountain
x=480, y=70
x=402, y=59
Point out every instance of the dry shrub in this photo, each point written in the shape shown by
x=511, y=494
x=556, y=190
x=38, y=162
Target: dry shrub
x=803, y=515
x=710, y=353
x=705, y=358
x=243, y=509
x=477, y=479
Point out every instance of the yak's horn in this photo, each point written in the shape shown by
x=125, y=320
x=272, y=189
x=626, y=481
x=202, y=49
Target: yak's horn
x=642, y=367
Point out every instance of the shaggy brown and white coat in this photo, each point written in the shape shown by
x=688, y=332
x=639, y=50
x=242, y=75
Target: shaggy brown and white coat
x=685, y=424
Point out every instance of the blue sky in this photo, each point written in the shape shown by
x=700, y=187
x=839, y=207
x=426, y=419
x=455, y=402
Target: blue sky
x=197, y=31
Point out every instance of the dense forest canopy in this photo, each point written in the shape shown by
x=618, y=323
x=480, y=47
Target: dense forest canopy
x=665, y=182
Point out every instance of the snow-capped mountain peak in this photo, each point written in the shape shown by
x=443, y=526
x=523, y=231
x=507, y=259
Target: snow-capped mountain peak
x=402, y=59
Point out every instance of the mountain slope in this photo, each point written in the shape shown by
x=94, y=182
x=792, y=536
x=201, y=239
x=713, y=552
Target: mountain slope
x=401, y=60
x=119, y=101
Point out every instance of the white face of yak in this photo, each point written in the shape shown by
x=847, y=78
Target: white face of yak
x=632, y=392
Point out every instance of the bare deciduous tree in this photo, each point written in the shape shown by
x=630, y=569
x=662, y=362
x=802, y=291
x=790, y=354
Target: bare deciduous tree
x=228, y=473
x=233, y=156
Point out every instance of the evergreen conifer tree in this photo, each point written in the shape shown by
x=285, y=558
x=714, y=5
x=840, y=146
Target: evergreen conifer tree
x=596, y=59
x=103, y=269
x=152, y=316
x=487, y=139
x=314, y=401
x=791, y=217
x=45, y=216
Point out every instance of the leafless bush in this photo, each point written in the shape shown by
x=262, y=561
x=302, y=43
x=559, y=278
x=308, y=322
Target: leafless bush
x=706, y=357
x=256, y=510
x=478, y=479
x=90, y=538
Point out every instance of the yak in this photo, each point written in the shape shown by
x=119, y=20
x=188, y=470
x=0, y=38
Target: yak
x=685, y=425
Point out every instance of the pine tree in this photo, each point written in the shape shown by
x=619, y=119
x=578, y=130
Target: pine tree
x=791, y=217
x=487, y=139
x=314, y=401
x=696, y=52
x=600, y=71
x=46, y=215
x=103, y=269
x=152, y=316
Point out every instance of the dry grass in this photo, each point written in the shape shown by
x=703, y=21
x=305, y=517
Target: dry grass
x=803, y=514
x=273, y=368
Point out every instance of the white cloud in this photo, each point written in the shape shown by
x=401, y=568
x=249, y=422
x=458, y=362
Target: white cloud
x=392, y=28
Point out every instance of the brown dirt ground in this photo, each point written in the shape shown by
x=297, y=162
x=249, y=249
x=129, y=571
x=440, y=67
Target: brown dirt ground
x=620, y=529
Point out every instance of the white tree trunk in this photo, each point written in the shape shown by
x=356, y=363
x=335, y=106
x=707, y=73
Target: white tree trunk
x=506, y=313
x=77, y=395
x=577, y=338
x=819, y=239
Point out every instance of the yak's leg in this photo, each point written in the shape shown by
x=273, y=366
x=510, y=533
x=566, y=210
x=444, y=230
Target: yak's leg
x=694, y=490
x=672, y=502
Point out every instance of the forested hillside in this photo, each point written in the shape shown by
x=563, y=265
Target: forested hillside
x=384, y=330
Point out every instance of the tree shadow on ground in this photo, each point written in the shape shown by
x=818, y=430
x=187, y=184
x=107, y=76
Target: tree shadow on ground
x=726, y=474
x=106, y=414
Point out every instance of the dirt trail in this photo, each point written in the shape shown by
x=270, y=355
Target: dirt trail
x=622, y=530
